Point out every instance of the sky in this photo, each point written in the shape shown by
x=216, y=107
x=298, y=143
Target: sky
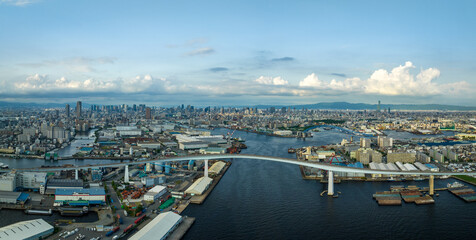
x=237, y=53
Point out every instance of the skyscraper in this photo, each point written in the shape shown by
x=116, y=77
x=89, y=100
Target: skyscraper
x=147, y=113
x=78, y=109
x=67, y=109
x=378, y=106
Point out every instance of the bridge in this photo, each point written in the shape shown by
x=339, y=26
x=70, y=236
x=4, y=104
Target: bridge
x=324, y=166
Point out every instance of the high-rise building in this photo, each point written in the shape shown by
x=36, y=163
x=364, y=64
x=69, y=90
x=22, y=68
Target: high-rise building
x=78, y=109
x=67, y=109
x=365, y=143
x=147, y=113
x=378, y=106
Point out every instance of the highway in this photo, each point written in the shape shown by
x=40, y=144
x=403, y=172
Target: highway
x=323, y=166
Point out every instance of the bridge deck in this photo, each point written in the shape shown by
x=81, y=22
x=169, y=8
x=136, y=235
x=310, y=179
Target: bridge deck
x=323, y=166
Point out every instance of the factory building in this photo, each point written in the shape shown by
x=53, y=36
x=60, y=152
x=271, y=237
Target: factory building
x=199, y=186
x=216, y=168
x=155, y=193
x=28, y=230
x=192, y=145
x=8, y=182
x=80, y=196
x=13, y=197
x=54, y=184
x=160, y=227
x=23, y=180
x=421, y=166
x=31, y=180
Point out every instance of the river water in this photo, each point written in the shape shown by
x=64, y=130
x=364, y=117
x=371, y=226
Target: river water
x=267, y=200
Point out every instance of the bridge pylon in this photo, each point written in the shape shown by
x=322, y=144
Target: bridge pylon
x=126, y=174
x=330, y=183
x=432, y=185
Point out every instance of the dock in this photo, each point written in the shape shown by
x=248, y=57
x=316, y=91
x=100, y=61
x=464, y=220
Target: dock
x=308, y=177
x=465, y=193
x=182, y=228
x=200, y=199
x=409, y=194
x=182, y=206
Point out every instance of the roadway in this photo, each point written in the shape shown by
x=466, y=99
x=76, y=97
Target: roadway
x=323, y=166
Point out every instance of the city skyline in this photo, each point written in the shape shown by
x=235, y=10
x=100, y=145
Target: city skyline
x=245, y=53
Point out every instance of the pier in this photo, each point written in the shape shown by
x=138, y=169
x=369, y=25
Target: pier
x=200, y=199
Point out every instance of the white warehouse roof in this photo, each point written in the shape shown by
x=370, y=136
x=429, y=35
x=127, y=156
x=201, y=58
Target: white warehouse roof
x=159, y=227
x=32, y=229
x=216, y=167
x=199, y=186
x=156, y=189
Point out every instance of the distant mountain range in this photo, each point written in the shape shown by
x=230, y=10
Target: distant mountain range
x=365, y=106
x=322, y=105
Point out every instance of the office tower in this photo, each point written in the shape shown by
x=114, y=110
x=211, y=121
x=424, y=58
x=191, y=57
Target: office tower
x=147, y=113
x=78, y=109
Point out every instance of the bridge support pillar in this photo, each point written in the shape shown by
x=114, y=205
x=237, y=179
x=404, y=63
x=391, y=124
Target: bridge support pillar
x=76, y=174
x=432, y=185
x=330, y=183
x=126, y=174
x=205, y=169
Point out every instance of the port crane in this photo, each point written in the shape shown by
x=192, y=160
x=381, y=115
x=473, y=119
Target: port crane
x=228, y=136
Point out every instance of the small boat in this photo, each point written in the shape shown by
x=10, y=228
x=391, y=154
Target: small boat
x=454, y=185
x=291, y=150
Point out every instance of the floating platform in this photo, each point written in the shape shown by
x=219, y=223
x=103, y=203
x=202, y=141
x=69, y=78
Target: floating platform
x=465, y=193
x=424, y=200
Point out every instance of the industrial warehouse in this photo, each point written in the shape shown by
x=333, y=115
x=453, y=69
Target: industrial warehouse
x=160, y=227
x=13, y=197
x=80, y=196
x=33, y=229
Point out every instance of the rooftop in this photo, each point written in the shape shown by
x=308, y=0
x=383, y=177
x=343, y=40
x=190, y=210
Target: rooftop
x=26, y=230
x=72, y=191
x=159, y=227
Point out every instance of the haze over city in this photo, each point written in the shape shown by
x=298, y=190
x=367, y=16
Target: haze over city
x=237, y=53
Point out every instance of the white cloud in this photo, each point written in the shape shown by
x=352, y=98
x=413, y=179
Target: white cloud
x=398, y=82
x=311, y=81
x=271, y=81
x=76, y=64
x=19, y=3
x=401, y=82
x=201, y=51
